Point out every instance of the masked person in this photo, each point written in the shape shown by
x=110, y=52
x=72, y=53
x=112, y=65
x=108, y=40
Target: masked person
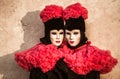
x=83, y=60
x=41, y=59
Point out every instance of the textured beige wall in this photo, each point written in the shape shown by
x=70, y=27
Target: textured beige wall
x=21, y=28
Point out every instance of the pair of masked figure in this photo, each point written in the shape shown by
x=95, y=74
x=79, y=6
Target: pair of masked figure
x=64, y=52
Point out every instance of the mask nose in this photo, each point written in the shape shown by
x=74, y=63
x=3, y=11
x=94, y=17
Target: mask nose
x=58, y=36
x=71, y=36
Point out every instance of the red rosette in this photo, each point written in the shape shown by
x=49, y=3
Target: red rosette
x=75, y=11
x=50, y=12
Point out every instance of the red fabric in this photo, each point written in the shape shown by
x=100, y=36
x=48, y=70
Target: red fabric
x=81, y=60
x=50, y=12
x=75, y=11
x=21, y=59
x=87, y=58
x=40, y=56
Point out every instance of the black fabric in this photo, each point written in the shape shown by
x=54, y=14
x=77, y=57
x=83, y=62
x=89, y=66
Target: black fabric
x=75, y=23
x=36, y=73
x=93, y=75
x=55, y=23
x=61, y=71
x=45, y=40
x=72, y=75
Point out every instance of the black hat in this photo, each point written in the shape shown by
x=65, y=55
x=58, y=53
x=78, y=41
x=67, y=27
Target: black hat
x=75, y=23
x=74, y=16
x=51, y=16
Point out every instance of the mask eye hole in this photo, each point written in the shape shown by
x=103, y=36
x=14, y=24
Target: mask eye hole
x=67, y=33
x=75, y=33
x=54, y=33
x=61, y=33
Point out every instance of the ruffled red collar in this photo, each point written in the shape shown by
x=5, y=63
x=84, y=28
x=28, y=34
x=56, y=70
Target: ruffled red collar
x=40, y=56
x=81, y=60
x=83, y=46
x=87, y=58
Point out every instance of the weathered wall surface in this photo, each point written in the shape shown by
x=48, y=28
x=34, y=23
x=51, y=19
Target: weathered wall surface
x=21, y=28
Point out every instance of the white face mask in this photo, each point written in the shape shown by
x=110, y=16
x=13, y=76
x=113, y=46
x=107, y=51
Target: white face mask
x=56, y=37
x=73, y=37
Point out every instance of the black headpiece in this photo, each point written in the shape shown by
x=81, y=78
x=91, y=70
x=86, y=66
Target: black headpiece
x=51, y=16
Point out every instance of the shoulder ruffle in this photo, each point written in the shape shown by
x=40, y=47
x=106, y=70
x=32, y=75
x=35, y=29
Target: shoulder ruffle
x=21, y=59
x=102, y=59
x=78, y=62
x=87, y=58
x=40, y=56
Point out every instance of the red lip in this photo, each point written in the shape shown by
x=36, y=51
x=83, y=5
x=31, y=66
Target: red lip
x=71, y=42
x=57, y=41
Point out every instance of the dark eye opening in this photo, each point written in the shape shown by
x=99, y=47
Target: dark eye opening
x=61, y=33
x=75, y=33
x=67, y=33
x=54, y=33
